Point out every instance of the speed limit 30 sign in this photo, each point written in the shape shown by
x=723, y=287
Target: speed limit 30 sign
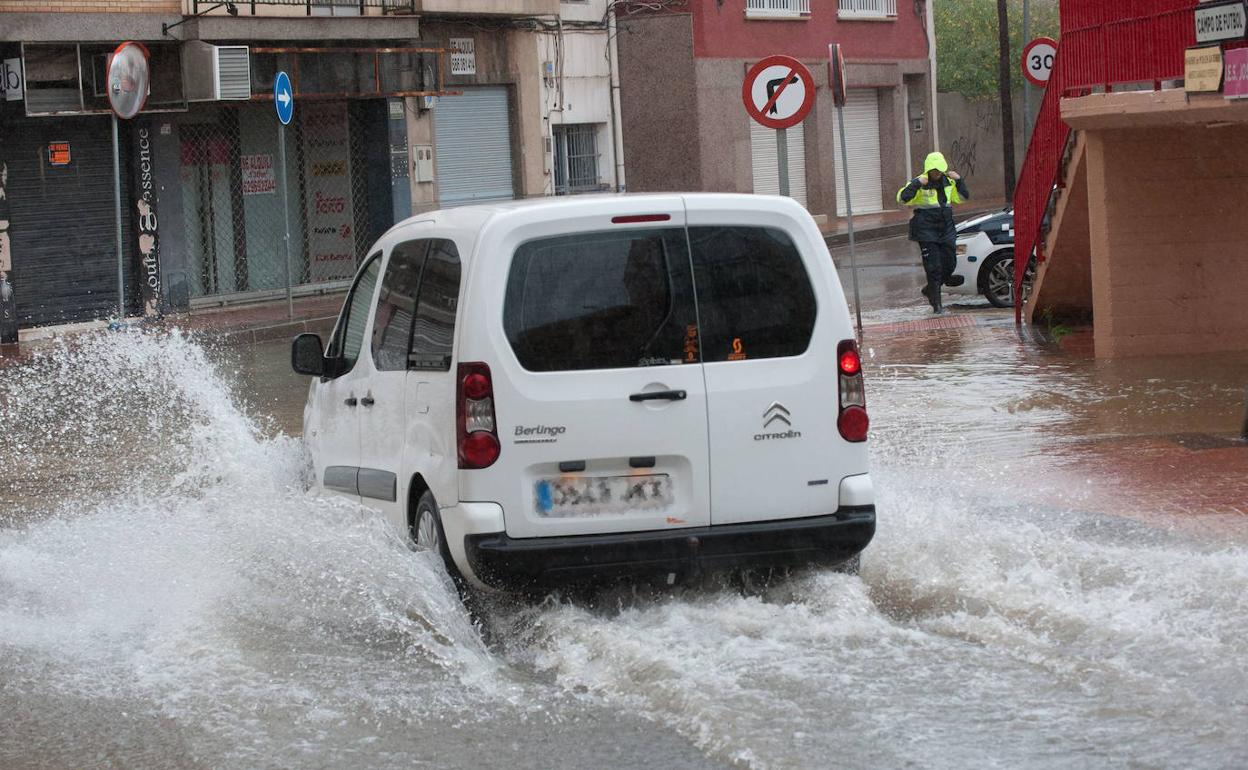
x=1038, y=56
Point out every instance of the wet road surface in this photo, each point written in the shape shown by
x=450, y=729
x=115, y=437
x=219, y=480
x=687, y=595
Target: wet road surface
x=170, y=596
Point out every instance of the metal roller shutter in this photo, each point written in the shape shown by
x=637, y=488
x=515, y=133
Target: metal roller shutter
x=63, y=223
x=766, y=166
x=862, y=125
x=473, y=152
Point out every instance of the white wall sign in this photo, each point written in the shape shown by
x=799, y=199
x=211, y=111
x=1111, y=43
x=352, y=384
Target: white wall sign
x=258, y=175
x=463, y=56
x=1220, y=21
x=11, y=80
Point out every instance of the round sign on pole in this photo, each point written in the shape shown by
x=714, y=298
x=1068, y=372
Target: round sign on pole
x=128, y=79
x=1038, y=57
x=283, y=98
x=778, y=92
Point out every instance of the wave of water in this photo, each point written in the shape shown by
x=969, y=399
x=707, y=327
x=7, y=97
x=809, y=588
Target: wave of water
x=170, y=592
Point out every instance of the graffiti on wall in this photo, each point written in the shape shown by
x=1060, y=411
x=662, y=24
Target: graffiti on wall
x=962, y=154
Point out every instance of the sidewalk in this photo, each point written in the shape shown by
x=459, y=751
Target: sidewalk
x=1154, y=441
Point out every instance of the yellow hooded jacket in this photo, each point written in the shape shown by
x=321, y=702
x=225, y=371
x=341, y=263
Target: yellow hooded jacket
x=933, y=203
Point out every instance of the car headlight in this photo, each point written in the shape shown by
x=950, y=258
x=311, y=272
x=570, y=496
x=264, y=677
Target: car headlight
x=961, y=248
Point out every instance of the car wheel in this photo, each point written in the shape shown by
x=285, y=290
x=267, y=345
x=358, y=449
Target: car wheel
x=427, y=532
x=996, y=279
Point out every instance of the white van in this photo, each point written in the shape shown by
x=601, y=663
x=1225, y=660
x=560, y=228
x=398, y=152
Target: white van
x=561, y=390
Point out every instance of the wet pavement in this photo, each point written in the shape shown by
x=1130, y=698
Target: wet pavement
x=1060, y=579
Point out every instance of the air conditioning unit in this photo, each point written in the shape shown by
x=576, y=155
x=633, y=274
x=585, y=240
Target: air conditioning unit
x=216, y=73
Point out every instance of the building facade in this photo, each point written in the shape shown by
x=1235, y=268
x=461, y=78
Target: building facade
x=685, y=127
x=402, y=106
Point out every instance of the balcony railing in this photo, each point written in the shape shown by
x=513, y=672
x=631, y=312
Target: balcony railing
x=1104, y=43
x=776, y=9
x=866, y=9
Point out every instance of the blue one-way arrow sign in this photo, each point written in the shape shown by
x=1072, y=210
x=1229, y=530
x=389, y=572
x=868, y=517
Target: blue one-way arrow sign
x=283, y=98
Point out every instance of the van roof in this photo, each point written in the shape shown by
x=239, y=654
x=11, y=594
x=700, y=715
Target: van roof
x=475, y=216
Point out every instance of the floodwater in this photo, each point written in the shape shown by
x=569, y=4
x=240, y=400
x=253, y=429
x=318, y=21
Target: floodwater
x=171, y=596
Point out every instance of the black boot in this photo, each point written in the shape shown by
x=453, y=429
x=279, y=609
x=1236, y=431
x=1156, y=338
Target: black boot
x=932, y=292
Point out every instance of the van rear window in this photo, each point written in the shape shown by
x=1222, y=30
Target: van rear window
x=618, y=299
x=754, y=296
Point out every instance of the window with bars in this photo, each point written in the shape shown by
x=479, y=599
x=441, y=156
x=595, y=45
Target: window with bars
x=866, y=9
x=776, y=9
x=576, y=159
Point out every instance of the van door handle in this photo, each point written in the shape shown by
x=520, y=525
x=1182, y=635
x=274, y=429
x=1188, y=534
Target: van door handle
x=350, y=400
x=368, y=400
x=660, y=395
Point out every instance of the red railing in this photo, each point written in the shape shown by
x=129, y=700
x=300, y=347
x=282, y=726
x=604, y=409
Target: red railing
x=1104, y=43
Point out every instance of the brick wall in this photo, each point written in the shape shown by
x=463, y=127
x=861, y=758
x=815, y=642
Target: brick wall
x=1167, y=239
x=91, y=6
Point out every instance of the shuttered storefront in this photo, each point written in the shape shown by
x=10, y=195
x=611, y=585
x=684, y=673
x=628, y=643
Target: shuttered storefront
x=766, y=165
x=473, y=151
x=862, y=125
x=62, y=230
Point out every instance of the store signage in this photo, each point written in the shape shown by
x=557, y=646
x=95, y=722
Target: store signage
x=8, y=306
x=58, y=154
x=1236, y=66
x=1220, y=21
x=1203, y=69
x=11, y=81
x=258, y=175
x=463, y=56
x=330, y=204
x=146, y=221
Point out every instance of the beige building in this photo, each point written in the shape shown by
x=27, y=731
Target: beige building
x=1149, y=232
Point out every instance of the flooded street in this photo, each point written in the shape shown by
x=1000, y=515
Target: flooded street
x=170, y=596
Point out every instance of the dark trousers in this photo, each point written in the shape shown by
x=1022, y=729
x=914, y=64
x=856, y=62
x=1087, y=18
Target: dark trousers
x=939, y=261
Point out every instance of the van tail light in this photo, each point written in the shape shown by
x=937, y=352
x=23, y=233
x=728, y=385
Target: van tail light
x=852, y=421
x=475, y=425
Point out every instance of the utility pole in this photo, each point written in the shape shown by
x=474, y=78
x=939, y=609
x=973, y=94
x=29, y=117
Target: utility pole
x=1026, y=83
x=1007, y=104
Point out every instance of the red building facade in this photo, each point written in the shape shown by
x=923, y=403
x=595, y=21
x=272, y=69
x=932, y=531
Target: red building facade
x=685, y=128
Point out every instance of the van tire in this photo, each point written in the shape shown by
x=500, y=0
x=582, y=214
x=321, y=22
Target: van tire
x=427, y=533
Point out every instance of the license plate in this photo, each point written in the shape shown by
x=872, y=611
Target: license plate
x=599, y=495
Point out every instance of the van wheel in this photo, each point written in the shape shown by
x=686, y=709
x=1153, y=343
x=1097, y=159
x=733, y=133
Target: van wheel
x=427, y=532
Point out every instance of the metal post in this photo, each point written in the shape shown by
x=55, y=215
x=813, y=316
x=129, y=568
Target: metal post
x=782, y=159
x=1026, y=83
x=281, y=161
x=849, y=218
x=121, y=260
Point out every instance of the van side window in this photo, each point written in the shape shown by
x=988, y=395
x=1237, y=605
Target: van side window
x=754, y=296
x=617, y=299
x=349, y=336
x=436, y=306
x=396, y=306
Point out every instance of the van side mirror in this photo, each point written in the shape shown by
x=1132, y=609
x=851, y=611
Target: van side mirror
x=307, y=355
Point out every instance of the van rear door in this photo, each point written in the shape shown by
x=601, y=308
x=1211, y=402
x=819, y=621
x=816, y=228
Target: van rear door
x=600, y=400
x=772, y=312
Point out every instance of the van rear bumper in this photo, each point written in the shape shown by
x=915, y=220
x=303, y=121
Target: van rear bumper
x=509, y=563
